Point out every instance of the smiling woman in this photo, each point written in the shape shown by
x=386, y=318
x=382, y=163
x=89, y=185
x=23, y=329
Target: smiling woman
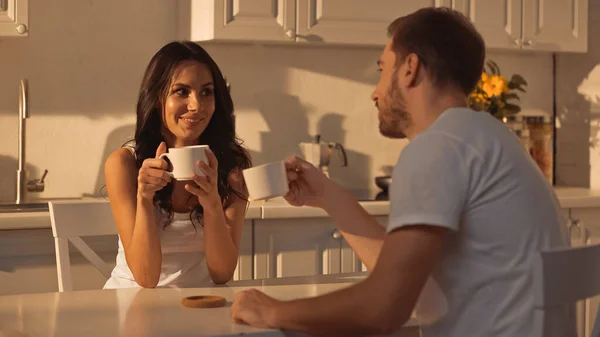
x=189, y=104
x=183, y=101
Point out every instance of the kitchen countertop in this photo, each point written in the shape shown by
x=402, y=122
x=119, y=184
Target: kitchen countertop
x=577, y=197
x=278, y=208
x=41, y=219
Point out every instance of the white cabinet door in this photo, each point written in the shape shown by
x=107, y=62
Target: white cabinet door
x=552, y=25
x=256, y=20
x=351, y=22
x=555, y=25
x=459, y=5
x=13, y=18
x=243, y=270
x=295, y=247
x=498, y=21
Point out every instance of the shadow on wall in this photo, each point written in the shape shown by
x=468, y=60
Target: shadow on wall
x=355, y=176
x=357, y=64
x=115, y=140
x=246, y=66
x=78, y=61
x=287, y=121
x=251, y=70
x=578, y=85
x=8, y=177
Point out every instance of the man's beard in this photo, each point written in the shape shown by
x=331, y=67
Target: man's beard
x=394, y=119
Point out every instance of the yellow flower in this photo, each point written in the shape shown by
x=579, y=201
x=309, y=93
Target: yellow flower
x=494, y=86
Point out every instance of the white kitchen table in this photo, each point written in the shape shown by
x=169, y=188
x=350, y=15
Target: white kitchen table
x=159, y=312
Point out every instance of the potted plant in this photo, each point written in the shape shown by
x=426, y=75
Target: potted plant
x=495, y=94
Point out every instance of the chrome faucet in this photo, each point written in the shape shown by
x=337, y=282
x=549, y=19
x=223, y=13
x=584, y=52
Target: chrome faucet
x=33, y=185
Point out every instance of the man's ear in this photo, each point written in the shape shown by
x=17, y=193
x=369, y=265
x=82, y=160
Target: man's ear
x=413, y=70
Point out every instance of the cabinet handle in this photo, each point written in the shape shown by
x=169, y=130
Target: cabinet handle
x=291, y=33
x=21, y=29
x=578, y=234
x=336, y=234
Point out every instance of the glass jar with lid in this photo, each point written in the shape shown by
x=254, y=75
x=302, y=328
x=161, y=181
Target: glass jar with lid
x=517, y=125
x=540, y=143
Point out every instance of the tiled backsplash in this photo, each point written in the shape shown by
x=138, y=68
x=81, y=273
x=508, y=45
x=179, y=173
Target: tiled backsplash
x=84, y=90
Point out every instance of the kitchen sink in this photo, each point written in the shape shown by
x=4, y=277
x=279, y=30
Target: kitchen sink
x=32, y=206
x=28, y=207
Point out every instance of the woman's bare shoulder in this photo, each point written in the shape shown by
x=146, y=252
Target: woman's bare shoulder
x=120, y=160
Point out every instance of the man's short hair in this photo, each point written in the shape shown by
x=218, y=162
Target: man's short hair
x=446, y=42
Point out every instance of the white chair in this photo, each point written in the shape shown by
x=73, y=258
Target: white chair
x=70, y=221
x=561, y=277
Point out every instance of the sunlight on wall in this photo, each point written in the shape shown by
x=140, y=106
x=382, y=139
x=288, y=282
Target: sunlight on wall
x=590, y=87
x=590, y=90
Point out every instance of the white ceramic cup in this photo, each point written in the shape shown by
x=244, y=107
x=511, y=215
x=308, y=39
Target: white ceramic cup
x=183, y=160
x=266, y=181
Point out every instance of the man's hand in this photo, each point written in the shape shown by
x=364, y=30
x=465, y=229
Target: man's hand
x=254, y=308
x=308, y=185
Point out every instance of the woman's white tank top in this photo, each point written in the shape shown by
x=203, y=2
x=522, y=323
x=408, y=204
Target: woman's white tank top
x=183, y=259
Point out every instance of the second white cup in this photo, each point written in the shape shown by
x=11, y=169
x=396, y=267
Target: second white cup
x=183, y=160
x=266, y=181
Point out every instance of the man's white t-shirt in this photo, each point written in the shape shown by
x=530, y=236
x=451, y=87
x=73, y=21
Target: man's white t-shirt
x=469, y=173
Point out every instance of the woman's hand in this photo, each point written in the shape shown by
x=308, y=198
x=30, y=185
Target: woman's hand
x=206, y=188
x=153, y=175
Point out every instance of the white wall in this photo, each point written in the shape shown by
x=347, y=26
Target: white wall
x=85, y=60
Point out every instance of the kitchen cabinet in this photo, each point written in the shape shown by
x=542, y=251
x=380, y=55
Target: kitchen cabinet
x=555, y=25
x=290, y=21
x=350, y=22
x=237, y=20
x=243, y=271
x=499, y=22
x=296, y=247
x=301, y=247
x=13, y=18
